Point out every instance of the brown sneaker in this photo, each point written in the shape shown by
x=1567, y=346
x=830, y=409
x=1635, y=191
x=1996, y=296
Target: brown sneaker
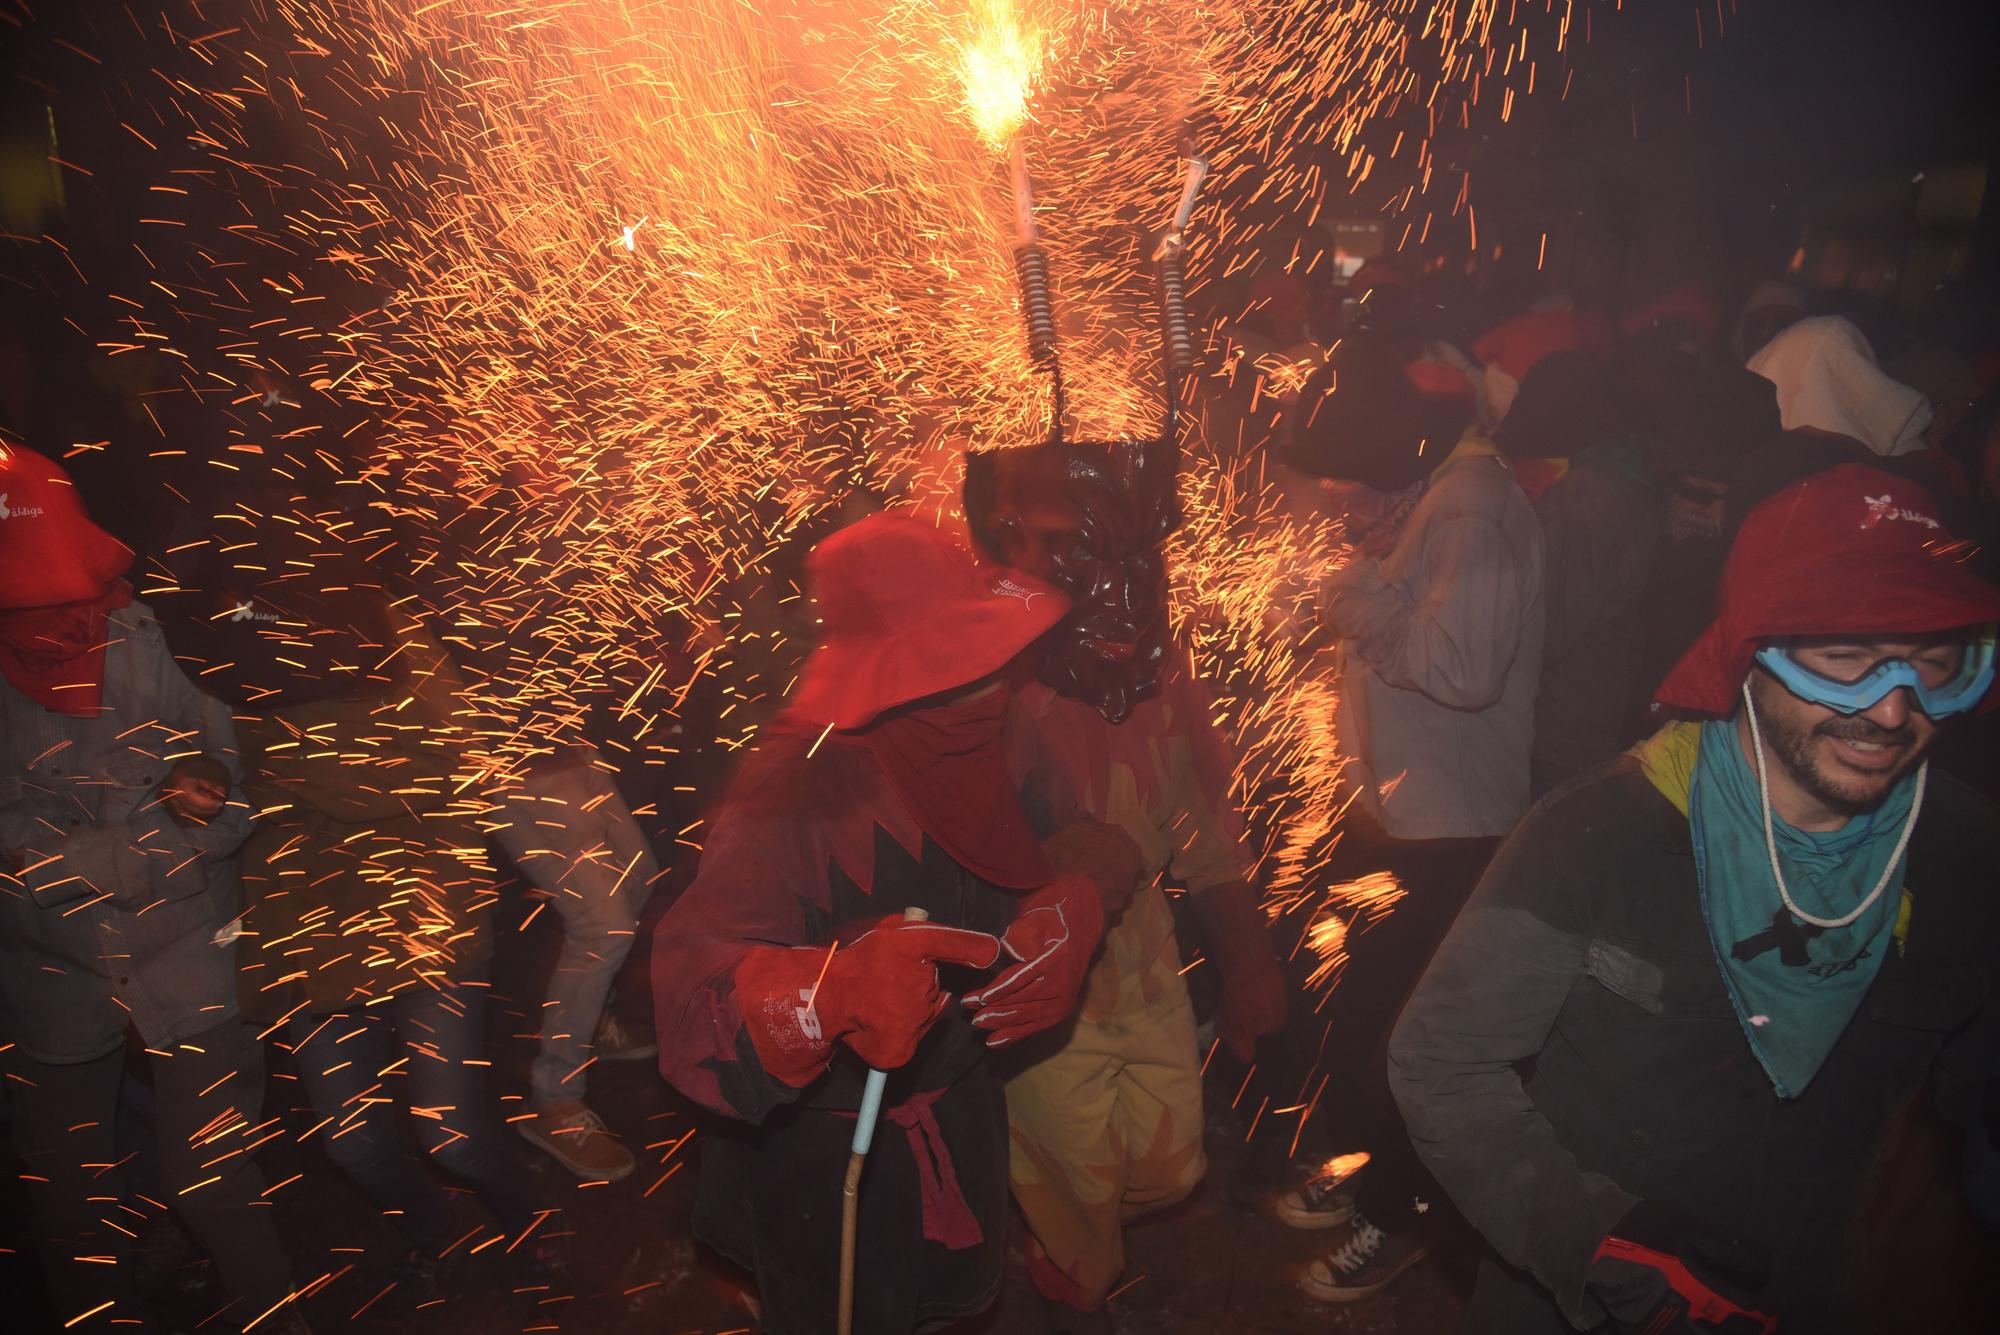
x=576, y=1138
x=617, y=1041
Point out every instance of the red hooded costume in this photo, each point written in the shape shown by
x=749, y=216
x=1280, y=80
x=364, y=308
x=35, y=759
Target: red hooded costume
x=59, y=578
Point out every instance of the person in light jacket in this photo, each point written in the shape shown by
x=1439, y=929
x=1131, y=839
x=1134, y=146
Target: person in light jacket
x=1438, y=619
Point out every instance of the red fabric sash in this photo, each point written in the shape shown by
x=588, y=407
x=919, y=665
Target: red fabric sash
x=948, y=1217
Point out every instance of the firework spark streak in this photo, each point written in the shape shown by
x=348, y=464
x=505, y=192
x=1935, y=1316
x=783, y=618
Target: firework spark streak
x=593, y=306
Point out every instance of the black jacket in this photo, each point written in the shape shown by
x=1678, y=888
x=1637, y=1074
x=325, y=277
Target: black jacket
x=1583, y=952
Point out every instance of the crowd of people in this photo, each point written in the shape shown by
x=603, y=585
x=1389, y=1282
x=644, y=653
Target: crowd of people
x=1657, y=641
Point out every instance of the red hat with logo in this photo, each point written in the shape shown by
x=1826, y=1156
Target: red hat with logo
x=50, y=551
x=1852, y=550
x=907, y=613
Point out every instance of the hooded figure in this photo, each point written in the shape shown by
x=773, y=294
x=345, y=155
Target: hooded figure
x=1117, y=738
x=120, y=815
x=1828, y=381
x=1730, y=958
x=787, y=970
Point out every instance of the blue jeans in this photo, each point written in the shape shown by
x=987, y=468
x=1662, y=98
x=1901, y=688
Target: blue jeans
x=354, y=1064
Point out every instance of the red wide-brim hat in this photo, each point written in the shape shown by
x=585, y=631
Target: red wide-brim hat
x=909, y=613
x=1850, y=551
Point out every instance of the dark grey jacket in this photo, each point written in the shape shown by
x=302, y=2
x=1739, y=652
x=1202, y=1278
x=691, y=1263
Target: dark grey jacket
x=119, y=914
x=1601, y=528
x=1583, y=951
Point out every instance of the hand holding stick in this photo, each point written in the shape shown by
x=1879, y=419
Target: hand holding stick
x=850, y=1189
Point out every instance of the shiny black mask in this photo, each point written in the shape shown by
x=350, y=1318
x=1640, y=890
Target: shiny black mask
x=1090, y=517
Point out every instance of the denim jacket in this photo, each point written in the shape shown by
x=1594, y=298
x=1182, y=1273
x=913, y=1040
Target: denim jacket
x=111, y=912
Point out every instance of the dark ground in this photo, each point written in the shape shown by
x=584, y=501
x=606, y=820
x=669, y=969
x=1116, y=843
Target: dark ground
x=1204, y=1267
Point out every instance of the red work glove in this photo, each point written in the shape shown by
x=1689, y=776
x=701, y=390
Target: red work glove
x=1053, y=936
x=879, y=994
x=1661, y=1272
x=1253, y=987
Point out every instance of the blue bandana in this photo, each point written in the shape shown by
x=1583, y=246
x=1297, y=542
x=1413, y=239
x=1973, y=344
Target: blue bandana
x=1794, y=986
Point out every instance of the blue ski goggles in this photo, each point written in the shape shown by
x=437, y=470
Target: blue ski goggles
x=1954, y=694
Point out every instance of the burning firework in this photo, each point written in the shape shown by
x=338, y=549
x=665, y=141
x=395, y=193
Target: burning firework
x=606, y=303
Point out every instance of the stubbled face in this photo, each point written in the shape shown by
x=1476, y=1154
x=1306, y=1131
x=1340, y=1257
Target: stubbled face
x=1089, y=518
x=1834, y=766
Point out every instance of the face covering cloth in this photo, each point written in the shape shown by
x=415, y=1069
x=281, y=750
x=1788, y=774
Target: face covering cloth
x=1794, y=985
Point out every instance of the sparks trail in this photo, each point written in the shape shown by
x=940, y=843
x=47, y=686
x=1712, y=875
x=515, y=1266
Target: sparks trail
x=592, y=313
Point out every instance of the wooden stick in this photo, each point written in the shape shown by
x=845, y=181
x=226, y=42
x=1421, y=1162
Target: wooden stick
x=850, y=1205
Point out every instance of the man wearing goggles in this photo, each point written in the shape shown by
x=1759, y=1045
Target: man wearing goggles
x=1948, y=672
x=1733, y=955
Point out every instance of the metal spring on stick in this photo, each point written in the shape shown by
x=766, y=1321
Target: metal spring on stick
x=1031, y=266
x=1179, y=343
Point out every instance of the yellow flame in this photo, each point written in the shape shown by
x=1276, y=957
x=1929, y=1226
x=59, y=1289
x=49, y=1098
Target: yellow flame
x=998, y=66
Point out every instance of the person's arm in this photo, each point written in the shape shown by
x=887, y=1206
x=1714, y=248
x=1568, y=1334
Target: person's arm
x=1453, y=639
x=178, y=833
x=1488, y=1000
x=50, y=852
x=755, y=886
x=150, y=846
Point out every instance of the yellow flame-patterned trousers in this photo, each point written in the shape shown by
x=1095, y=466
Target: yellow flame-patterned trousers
x=1108, y=1126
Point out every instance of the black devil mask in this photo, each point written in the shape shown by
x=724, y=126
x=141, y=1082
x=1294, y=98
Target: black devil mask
x=1090, y=517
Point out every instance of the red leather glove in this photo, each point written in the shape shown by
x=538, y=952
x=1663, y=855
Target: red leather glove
x=1053, y=936
x=1663, y=1272
x=1252, y=1005
x=879, y=994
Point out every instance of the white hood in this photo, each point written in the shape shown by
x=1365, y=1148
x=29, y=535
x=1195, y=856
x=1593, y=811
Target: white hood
x=1827, y=380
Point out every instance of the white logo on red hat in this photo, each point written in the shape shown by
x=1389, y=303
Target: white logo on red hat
x=17, y=511
x=1885, y=507
x=1007, y=588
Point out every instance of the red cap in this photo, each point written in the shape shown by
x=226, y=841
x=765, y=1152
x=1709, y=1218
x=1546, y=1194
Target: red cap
x=908, y=613
x=1516, y=345
x=1852, y=550
x=50, y=552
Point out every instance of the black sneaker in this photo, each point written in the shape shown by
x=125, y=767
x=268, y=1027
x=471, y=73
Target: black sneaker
x=1365, y=1262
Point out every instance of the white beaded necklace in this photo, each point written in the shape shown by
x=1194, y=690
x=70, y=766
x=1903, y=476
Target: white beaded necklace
x=1771, y=837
